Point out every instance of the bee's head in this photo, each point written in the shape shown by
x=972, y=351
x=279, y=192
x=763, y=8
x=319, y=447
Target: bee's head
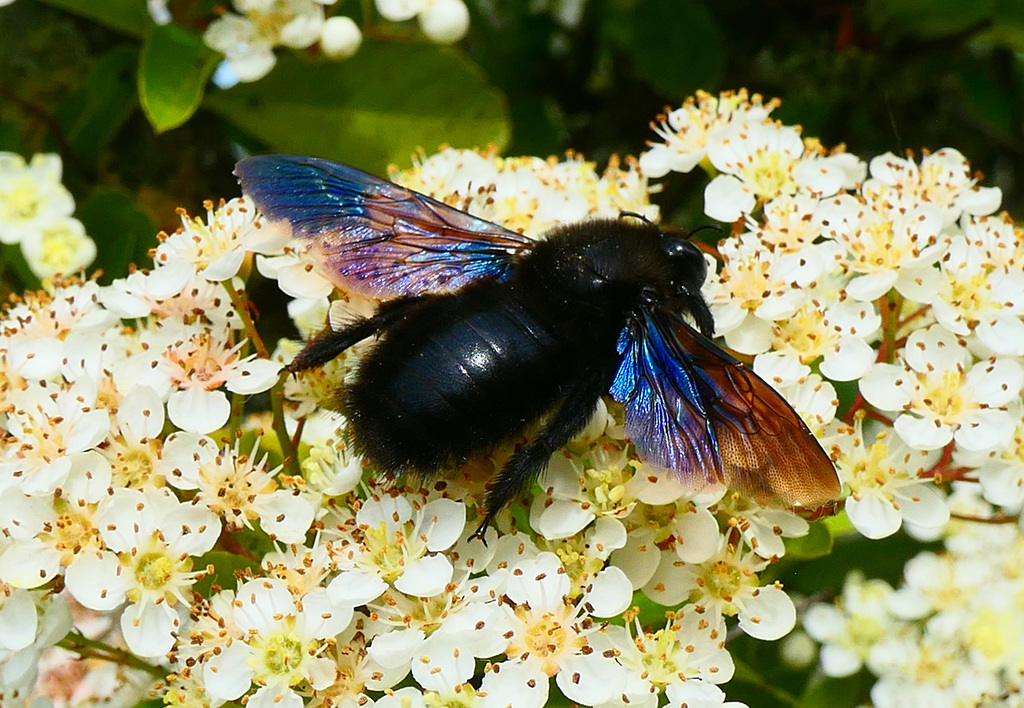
x=689, y=270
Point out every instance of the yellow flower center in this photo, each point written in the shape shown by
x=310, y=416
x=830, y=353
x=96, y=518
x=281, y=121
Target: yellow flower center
x=22, y=202
x=722, y=579
x=154, y=571
x=942, y=397
x=807, y=334
x=768, y=172
x=282, y=655
x=545, y=638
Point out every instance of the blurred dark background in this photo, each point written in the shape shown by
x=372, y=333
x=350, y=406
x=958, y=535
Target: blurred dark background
x=882, y=75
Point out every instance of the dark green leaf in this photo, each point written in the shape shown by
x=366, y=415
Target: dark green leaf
x=173, y=70
x=17, y=275
x=1007, y=25
x=123, y=232
x=843, y=692
x=91, y=116
x=677, y=47
x=928, y=18
x=817, y=543
x=154, y=703
x=129, y=16
x=224, y=566
x=375, y=109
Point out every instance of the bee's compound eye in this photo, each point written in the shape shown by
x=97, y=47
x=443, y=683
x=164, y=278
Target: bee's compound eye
x=676, y=247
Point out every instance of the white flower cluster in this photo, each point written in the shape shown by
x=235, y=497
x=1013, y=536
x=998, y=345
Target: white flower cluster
x=247, y=37
x=951, y=635
x=35, y=214
x=896, y=275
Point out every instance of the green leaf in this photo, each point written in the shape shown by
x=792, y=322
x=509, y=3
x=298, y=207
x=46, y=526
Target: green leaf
x=372, y=110
x=123, y=232
x=15, y=271
x=225, y=565
x=173, y=70
x=845, y=692
x=817, y=543
x=839, y=525
x=928, y=18
x=129, y=16
x=91, y=117
x=1007, y=26
x=675, y=61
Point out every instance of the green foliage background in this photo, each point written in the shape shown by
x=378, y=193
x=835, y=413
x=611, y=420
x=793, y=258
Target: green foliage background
x=128, y=106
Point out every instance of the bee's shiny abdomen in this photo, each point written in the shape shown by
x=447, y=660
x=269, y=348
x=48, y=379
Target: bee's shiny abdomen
x=465, y=370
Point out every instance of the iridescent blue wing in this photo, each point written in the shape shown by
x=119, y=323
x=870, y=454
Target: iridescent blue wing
x=373, y=236
x=693, y=409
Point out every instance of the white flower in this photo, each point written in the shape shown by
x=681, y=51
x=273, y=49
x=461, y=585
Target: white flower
x=887, y=483
x=60, y=248
x=584, y=557
x=281, y=646
x=839, y=333
x=49, y=534
x=330, y=467
x=929, y=669
x=997, y=237
x=850, y=628
x=298, y=274
x=445, y=21
x=30, y=622
x=891, y=240
x=135, y=441
x=49, y=434
x=726, y=585
x=943, y=179
x=40, y=333
x=548, y=637
x=151, y=538
x=159, y=12
x=943, y=396
x=581, y=487
x=238, y=487
x=528, y=194
x=1001, y=471
x=977, y=296
x=356, y=672
x=687, y=130
x=757, y=287
x=760, y=161
x=247, y=40
x=32, y=197
x=762, y=529
x=216, y=248
x=398, y=544
x=399, y=10
x=341, y=37
x=190, y=371
x=685, y=653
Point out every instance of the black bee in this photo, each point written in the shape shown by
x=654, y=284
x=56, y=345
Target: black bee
x=483, y=333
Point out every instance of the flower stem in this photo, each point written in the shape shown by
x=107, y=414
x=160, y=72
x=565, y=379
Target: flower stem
x=241, y=305
x=91, y=648
x=288, y=450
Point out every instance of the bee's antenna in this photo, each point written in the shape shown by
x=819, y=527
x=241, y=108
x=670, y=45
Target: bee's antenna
x=705, y=227
x=635, y=215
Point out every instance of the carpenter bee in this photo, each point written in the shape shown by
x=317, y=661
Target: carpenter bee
x=483, y=333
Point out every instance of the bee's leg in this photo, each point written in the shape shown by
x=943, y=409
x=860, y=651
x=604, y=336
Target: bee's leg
x=329, y=343
x=569, y=418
